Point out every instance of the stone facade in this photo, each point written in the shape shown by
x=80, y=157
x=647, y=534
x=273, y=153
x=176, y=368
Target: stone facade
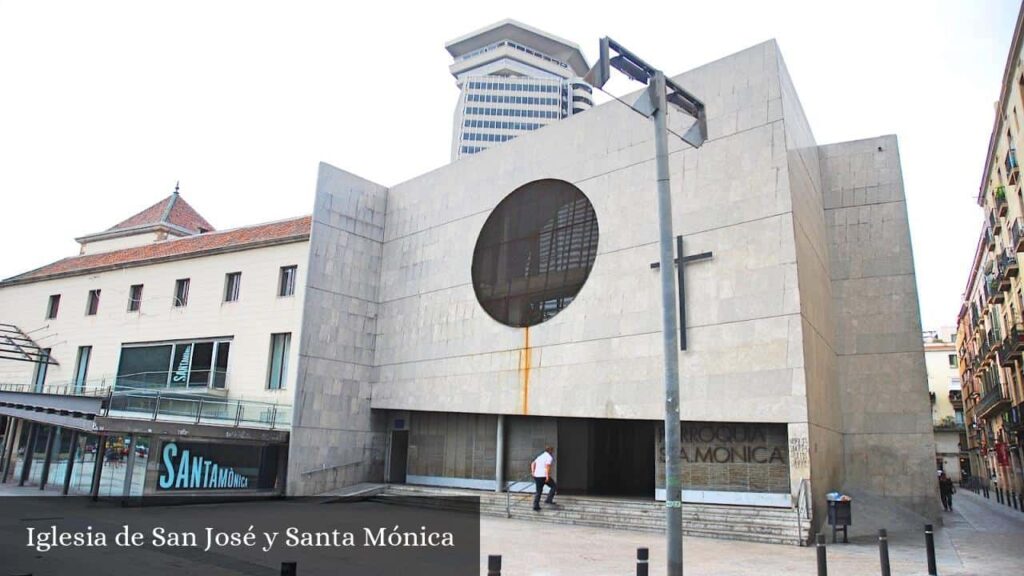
x=774, y=336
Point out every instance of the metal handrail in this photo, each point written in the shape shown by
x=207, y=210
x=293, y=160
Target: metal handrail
x=803, y=508
x=508, y=491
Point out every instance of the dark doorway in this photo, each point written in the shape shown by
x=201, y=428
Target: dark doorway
x=605, y=457
x=398, y=457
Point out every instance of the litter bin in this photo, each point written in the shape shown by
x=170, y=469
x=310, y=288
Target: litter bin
x=839, y=517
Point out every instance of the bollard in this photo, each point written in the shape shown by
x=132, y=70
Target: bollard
x=494, y=565
x=822, y=561
x=999, y=495
x=883, y=552
x=642, y=557
x=289, y=568
x=1015, y=500
x=929, y=540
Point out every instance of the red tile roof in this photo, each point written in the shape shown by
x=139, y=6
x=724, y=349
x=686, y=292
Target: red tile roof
x=171, y=210
x=293, y=230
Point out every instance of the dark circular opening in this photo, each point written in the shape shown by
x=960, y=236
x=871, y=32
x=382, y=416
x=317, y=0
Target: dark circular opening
x=535, y=252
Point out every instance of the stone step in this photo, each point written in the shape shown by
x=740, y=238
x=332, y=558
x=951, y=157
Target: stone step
x=750, y=523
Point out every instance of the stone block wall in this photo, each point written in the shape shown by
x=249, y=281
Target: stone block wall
x=888, y=444
x=336, y=440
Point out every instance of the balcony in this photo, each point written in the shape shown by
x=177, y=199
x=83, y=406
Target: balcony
x=1017, y=235
x=956, y=399
x=1012, y=169
x=983, y=351
x=992, y=401
x=1015, y=340
x=990, y=240
x=947, y=424
x=992, y=291
x=1000, y=200
x=995, y=223
x=1008, y=264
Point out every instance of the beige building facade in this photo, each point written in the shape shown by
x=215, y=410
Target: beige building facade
x=944, y=387
x=990, y=335
x=175, y=331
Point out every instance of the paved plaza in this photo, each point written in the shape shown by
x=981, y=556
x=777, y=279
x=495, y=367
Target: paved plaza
x=978, y=537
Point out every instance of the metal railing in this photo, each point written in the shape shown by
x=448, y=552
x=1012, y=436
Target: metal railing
x=803, y=508
x=509, y=485
x=169, y=406
x=175, y=405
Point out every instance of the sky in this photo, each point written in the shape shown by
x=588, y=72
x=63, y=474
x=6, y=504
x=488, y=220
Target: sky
x=105, y=105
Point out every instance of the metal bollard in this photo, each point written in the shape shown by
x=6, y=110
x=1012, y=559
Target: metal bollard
x=822, y=561
x=289, y=568
x=494, y=565
x=999, y=495
x=883, y=552
x=1015, y=501
x=929, y=540
x=642, y=557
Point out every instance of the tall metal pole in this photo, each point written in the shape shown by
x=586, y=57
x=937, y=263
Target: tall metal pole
x=673, y=487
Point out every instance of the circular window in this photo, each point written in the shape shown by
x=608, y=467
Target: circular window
x=535, y=252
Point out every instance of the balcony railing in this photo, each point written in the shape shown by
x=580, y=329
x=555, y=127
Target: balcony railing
x=1017, y=235
x=1000, y=200
x=990, y=240
x=172, y=405
x=1008, y=265
x=994, y=222
x=993, y=399
x=1010, y=162
x=167, y=406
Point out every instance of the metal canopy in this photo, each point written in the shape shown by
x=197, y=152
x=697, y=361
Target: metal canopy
x=16, y=345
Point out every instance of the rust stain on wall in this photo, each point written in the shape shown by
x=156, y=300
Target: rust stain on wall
x=524, y=370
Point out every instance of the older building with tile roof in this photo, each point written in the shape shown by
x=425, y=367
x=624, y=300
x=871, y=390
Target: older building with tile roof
x=171, y=217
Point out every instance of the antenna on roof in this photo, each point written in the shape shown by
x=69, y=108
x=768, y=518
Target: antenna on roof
x=176, y=186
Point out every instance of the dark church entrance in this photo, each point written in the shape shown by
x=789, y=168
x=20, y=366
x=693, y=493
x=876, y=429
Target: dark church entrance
x=605, y=457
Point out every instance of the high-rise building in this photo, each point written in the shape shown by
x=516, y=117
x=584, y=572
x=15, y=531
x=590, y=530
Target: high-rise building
x=514, y=79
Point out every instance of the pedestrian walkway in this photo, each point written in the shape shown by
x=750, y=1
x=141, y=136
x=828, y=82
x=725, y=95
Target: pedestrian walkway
x=977, y=537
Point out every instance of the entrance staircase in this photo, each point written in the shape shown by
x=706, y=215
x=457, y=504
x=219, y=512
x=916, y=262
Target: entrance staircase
x=750, y=523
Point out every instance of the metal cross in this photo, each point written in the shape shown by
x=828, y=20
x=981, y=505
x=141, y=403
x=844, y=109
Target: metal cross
x=681, y=280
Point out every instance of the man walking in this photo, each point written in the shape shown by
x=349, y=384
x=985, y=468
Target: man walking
x=946, y=491
x=541, y=470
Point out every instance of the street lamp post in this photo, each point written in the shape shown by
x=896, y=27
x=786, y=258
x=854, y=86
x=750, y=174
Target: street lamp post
x=654, y=104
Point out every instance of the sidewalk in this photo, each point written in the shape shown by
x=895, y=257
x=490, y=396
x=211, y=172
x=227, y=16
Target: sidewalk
x=979, y=537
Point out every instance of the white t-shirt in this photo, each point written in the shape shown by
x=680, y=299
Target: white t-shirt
x=540, y=465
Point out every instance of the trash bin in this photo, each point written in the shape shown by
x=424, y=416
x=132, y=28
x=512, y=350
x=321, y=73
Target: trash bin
x=839, y=517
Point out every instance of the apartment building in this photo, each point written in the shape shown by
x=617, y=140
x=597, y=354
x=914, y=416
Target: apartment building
x=162, y=335
x=990, y=337
x=944, y=387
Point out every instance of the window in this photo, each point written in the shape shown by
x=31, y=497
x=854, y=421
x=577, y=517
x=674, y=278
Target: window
x=135, y=298
x=232, y=284
x=39, y=378
x=183, y=365
x=279, y=344
x=181, y=292
x=52, y=306
x=286, y=283
x=952, y=360
x=93, y=304
x=534, y=252
x=82, y=367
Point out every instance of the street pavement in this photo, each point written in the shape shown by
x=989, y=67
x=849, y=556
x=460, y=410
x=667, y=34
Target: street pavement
x=979, y=537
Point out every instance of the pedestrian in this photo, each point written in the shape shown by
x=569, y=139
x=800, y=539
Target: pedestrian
x=946, y=491
x=541, y=470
